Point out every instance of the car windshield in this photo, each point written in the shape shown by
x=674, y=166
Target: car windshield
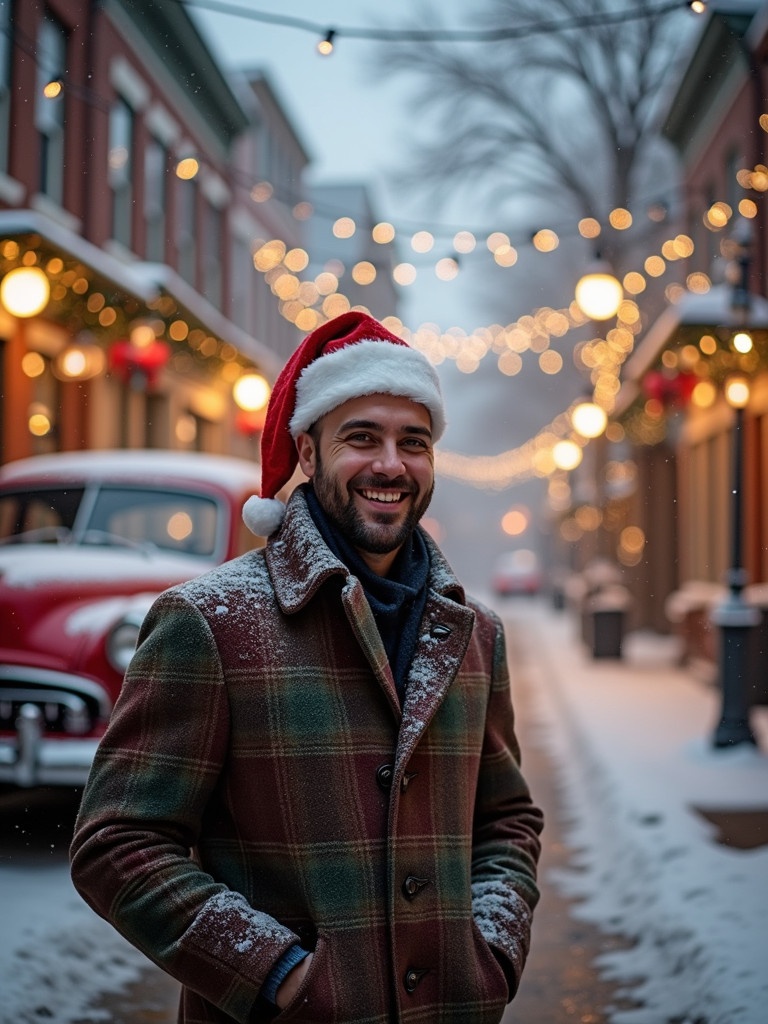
x=120, y=515
x=40, y=511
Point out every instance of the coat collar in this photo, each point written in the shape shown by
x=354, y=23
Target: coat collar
x=300, y=562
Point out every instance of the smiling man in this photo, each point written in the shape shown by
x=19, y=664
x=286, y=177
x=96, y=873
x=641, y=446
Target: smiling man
x=308, y=805
x=371, y=464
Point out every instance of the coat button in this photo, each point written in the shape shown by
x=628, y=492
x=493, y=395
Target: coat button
x=412, y=978
x=440, y=631
x=413, y=885
x=384, y=775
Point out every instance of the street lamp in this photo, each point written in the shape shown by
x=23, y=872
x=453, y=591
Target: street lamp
x=25, y=291
x=599, y=293
x=589, y=419
x=734, y=616
x=251, y=394
x=566, y=455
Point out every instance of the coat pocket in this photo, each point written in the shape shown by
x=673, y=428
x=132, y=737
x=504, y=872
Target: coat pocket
x=315, y=1001
x=493, y=980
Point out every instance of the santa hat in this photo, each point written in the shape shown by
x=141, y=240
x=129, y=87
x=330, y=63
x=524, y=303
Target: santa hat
x=347, y=357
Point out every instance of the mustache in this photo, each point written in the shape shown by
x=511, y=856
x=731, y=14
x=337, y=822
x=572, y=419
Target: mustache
x=374, y=483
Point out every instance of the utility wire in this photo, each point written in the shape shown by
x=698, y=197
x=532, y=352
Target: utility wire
x=438, y=35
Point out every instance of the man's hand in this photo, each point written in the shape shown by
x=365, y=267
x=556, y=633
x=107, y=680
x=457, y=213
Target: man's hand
x=292, y=982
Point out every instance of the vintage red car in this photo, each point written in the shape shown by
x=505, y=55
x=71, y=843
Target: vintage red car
x=516, y=572
x=87, y=540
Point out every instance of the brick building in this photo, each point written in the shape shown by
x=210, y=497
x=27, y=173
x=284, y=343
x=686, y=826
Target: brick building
x=128, y=162
x=676, y=378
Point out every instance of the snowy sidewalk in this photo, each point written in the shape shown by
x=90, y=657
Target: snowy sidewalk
x=632, y=740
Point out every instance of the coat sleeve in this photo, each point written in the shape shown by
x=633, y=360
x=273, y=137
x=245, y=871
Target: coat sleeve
x=142, y=810
x=506, y=829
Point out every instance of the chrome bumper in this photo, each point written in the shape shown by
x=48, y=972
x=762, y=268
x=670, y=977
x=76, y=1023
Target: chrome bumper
x=30, y=756
x=32, y=760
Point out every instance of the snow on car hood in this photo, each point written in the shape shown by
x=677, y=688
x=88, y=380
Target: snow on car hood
x=25, y=566
x=99, y=616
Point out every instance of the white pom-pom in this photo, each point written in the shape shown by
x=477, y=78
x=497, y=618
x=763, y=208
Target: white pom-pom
x=262, y=516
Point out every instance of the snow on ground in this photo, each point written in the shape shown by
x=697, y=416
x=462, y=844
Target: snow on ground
x=631, y=739
x=56, y=955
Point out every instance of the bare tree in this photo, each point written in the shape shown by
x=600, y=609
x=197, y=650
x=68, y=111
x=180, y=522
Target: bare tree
x=561, y=106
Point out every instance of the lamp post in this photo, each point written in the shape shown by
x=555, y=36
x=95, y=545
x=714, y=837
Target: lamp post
x=734, y=616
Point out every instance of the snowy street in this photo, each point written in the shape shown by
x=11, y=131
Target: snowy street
x=56, y=956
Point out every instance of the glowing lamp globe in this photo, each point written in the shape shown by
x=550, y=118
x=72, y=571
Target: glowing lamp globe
x=567, y=455
x=24, y=292
x=589, y=419
x=251, y=392
x=599, y=295
x=742, y=342
x=737, y=392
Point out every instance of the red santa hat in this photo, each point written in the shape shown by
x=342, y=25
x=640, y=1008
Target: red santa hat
x=347, y=357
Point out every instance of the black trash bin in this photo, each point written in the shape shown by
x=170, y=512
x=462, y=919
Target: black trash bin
x=606, y=620
x=607, y=633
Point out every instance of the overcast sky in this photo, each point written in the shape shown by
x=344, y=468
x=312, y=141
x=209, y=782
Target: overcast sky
x=353, y=119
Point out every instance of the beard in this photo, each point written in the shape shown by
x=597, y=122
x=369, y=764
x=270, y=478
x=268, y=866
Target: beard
x=387, y=531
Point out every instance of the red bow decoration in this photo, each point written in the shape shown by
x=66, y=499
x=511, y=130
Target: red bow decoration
x=669, y=389
x=138, y=365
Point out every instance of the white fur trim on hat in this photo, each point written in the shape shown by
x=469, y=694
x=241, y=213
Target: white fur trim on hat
x=366, y=368
x=262, y=516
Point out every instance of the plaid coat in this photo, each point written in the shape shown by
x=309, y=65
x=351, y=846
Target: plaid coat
x=259, y=785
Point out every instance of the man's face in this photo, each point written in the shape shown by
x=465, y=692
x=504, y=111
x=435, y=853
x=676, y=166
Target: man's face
x=371, y=463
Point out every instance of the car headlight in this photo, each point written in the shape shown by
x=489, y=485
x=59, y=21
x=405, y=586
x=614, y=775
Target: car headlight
x=121, y=641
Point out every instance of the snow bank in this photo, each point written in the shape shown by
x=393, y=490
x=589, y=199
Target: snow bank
x=632, y=743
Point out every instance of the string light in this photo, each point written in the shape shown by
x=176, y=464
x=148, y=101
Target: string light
x=187, y=168
x=535, y=458
x=325, y=46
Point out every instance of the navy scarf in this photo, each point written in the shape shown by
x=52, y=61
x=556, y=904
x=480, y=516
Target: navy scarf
x=397, y=601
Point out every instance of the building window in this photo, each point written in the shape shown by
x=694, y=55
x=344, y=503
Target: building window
x=120, y=170
x=733, y=192
x=49, y=106
x=155, y=192
x=213, y=254
x=186, y=223
x=242, y=285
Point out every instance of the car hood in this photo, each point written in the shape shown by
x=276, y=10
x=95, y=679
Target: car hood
x=55, y=601
x=24, y=566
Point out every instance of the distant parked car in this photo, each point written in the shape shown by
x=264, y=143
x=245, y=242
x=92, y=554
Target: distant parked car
x=516, y=572
x=87, y=541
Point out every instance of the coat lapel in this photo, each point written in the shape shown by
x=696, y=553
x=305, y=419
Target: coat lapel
x=300, y=562
x=366, y=631
x=446, y=629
